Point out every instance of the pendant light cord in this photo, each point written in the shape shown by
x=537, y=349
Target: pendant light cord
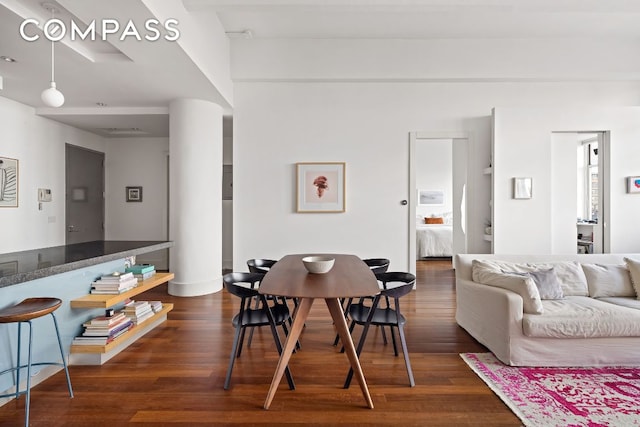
x=52, y=62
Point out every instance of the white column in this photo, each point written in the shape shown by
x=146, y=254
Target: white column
x=195, y=194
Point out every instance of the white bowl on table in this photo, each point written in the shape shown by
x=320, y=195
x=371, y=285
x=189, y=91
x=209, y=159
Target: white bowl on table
x=318, y=264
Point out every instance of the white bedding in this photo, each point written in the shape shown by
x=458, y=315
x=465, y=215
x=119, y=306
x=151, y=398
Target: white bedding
x=434, y=240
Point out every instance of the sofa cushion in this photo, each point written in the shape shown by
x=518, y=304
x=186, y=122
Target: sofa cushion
x=546, y=281
x=570, y=274
x=623, y=301
x=634, y=271
x=582, y=317
x=608, y=280
x=520, y=284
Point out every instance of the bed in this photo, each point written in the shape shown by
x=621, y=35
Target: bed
x=434, y=240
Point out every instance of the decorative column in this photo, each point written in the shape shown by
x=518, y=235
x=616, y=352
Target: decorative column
x=195, y=197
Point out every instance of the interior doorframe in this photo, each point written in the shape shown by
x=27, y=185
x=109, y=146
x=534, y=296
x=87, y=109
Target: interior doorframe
x=412, y=199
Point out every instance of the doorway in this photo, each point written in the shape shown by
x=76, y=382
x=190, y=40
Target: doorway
x=452, y=207
x=84, y=204
x=580, y=198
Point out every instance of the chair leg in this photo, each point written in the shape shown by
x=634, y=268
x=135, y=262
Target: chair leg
x=244, y=330
x=232, y=358
x=64, y=361
x=365, y=330
x=27, y=402
x=403, y=341
x=257, y=305
x=384, y=335
x=393, y=340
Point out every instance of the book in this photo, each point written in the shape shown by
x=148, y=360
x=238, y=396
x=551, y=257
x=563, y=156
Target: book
x=104, y=320
x=116, y=277
x=140, y=268
x=145, y=276
x=115, y=285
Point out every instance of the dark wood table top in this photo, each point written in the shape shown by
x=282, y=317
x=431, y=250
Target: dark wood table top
x=349, y=277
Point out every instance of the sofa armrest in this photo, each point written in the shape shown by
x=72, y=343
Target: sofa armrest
x=493, y=316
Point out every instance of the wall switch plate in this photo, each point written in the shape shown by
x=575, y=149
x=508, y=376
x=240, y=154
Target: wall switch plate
x=44, y=195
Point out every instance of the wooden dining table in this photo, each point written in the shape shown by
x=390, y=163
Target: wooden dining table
x=350, y=277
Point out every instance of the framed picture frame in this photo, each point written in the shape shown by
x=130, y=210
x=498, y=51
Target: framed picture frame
x=134, y=194
x=633, y=184
x=431, y=197
x=522, y=188
x=9, y=176
x=320, y=187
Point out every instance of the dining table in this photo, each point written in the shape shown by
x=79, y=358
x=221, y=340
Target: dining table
x=349, y=277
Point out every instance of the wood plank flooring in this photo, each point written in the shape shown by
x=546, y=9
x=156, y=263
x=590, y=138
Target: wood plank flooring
x=174, y=375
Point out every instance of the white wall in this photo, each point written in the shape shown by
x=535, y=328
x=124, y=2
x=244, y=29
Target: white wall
x=39, y=145
x=523, y=148
x=366, y=125
x=434, y=171
x=138, y=162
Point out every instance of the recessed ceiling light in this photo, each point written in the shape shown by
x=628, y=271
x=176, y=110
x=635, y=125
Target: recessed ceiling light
x=7, y=59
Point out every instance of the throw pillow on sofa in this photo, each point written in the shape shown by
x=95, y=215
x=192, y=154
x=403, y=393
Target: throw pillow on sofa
x=608, y=280
x=522, y=285
x=546, y=281
x=634, y=272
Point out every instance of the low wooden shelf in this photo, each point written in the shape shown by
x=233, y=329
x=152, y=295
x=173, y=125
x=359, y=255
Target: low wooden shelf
x=166, y=307
x=99, y=354
x=106, y=301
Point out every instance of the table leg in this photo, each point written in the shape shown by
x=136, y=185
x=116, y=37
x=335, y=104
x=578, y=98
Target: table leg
x=341, y=325
x=298, y=322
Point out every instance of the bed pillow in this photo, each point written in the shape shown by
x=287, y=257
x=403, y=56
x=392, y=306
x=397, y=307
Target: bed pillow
x=634, y=272
x=518, y=283
x=434, y=220
x=608, y=280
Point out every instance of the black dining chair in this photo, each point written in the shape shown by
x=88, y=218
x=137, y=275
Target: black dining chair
x=395, y=286
x=268, y=313
x=376, y=265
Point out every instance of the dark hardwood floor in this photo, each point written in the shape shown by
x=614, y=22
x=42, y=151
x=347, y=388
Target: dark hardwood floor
x=174, y=375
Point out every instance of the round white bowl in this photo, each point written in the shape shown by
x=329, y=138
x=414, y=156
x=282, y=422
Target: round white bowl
x=318, y=264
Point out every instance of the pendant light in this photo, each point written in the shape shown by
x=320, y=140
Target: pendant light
x=52, y=97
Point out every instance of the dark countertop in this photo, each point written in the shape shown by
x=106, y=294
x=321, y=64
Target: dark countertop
x=20, y=267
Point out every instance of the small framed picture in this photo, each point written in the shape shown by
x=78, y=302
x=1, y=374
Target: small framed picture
x=134, y=194
x=522, y=188
x=431, y=197
x=8, y=182
x=633, y=184
x=320, y=187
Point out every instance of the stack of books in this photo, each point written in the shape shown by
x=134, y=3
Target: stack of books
x=115, y=283
x=138, y=311
x=156, y=306
x=142, y=271
x=102, y=330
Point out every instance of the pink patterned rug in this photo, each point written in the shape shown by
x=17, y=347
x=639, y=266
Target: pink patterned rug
x=567, y=397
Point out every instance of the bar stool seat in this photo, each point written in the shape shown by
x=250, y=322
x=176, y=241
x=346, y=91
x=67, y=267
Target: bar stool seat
x=25, y=312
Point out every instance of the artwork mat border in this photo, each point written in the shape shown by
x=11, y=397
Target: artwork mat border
x=339, y=206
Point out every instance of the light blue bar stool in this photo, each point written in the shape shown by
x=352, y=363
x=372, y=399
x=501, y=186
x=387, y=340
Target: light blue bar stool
x=25, y=312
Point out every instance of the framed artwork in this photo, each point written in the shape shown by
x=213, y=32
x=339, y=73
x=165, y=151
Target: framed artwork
x=320, y=187
x=134, y=194
x=8, y=182
x=431, y=197
x=522, y=188
x=633, y=184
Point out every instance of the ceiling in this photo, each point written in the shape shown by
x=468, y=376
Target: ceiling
x=137, y=80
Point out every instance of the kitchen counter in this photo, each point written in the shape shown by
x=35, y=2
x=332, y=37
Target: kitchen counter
x=24, y=266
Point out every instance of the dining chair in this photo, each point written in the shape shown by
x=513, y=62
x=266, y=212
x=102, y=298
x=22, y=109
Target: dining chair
x=395, y=285
x=376, y=265
x=244, y=286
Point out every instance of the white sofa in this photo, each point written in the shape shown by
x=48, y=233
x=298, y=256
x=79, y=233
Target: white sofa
x=594, y=323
